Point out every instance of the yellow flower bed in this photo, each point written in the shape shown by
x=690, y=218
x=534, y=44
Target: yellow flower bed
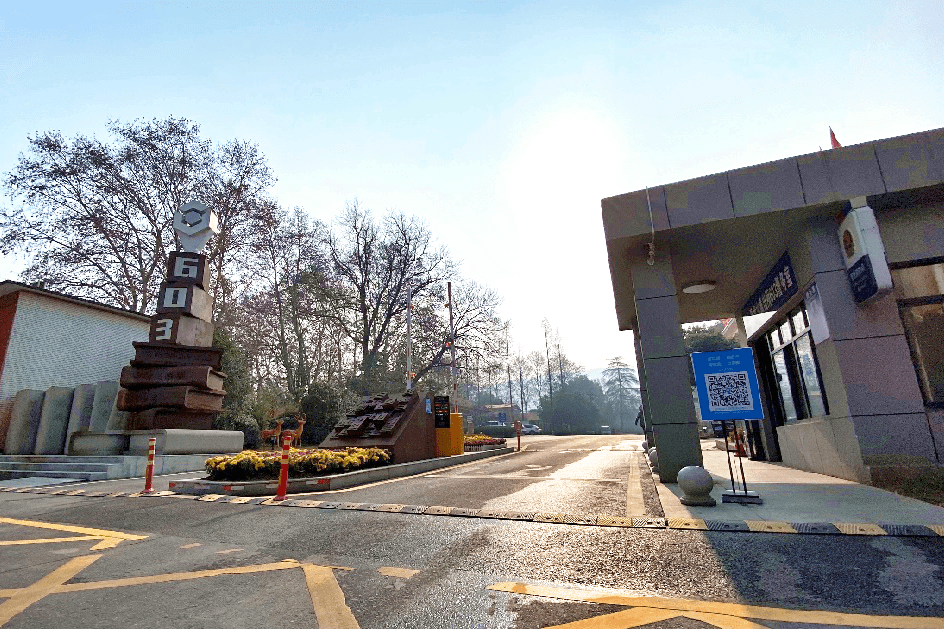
x=483, y=440
x=257, y=465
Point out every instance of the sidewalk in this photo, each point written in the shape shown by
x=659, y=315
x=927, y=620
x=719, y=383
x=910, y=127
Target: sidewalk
x=796, y=496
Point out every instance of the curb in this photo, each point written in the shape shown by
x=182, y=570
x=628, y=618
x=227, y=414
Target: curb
x=736, y=526
x=335, y=481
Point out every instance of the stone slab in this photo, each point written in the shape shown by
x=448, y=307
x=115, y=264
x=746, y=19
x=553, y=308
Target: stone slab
x=200, y=376
x=80, y=415
x=185, y=397
x=26, y=403
x=180, y=297
x=102, y=403
x=181, y=441
x=88, y=443
x=54, y=421
x=176, y=355
x=158, y=418
x=117, y=419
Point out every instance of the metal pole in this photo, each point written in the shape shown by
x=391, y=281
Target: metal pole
x=724, y=428
x=452, y=346
x=737, y=437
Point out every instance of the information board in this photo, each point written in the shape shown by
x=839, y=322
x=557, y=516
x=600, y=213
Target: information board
x=441, y=411
x=727, y=385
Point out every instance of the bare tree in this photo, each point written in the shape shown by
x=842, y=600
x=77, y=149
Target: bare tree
x=376, y=263
x=95, y=219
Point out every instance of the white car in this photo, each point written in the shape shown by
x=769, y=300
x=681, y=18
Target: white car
x=530, y=429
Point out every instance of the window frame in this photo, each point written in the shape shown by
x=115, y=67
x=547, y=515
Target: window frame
x=907, y=302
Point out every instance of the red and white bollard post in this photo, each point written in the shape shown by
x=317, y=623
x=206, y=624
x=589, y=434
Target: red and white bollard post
x=283, y=472
x=149, y=471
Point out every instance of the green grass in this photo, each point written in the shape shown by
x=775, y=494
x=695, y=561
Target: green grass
x=928, y=486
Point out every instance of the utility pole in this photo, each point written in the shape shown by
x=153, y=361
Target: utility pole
x=511, y=400
x=560, y=360
x=550, y=380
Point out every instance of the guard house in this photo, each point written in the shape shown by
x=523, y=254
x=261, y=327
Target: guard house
x=852, y=383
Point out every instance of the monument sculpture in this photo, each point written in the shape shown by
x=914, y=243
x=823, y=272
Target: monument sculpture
x=173, y=387
x=175, y=380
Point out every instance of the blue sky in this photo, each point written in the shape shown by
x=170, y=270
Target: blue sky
x=502, y=124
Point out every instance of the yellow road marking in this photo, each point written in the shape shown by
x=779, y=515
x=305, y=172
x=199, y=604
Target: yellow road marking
x=226, y=552
x=108, y=542
x=331, y=610
x=765, y=526
x=724, y=622
x=400, y=573
x=47, y=540
x=194, y=545
x=72, y=529
x=37, y=591
x=621, y=620
x=727, y=609
x=175, y=576
x=634, y=502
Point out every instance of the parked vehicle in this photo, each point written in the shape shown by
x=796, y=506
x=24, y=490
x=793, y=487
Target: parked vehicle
x=606, y=430
x=530, y=429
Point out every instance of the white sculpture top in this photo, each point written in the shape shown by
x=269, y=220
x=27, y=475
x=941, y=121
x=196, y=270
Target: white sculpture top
x=195, y=224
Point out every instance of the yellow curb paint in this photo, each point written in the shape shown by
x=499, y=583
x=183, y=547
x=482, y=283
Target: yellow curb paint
x=48, y=540
x=765, y=526
x=621, y=620
x=331, y=609
x=687, y=523
x=727, y=609
x=77, y=492
x=194, y=545
x=175, y=576
x=38, y=590
x=635, y=506
x=400, y=573
x=105, y=544
x=855, y=528
x=72, y=529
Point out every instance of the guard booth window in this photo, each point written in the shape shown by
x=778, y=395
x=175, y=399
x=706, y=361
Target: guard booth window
x=919, y=291
x=799, y=384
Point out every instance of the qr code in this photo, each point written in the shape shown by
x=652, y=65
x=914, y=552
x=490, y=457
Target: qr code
x=729, y=391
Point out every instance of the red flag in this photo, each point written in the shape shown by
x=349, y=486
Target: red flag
x=833, y=140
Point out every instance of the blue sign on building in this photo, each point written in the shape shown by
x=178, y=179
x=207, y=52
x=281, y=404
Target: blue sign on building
x=778, y=287
x=727, y=385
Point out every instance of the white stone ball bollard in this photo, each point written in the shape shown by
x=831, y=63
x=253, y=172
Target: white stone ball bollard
x=697, y=484
x=654, y=459
x=645, y=446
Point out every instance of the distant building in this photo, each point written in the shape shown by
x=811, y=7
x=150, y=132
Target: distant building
x=52, y=339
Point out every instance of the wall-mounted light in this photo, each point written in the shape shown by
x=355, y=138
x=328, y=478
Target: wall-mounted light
x=701, y=286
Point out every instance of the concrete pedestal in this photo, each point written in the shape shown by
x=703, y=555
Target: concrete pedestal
x=169, y=441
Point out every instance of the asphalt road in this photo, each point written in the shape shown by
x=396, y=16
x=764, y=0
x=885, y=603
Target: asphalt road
x=369, y=569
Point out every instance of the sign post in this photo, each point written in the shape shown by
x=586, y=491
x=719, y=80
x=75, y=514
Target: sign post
x=727, y=390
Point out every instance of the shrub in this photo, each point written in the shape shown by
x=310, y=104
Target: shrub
x=239, y=421
x=256, y=465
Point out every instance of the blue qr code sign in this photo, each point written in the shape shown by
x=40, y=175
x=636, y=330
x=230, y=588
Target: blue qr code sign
x=729, y=391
